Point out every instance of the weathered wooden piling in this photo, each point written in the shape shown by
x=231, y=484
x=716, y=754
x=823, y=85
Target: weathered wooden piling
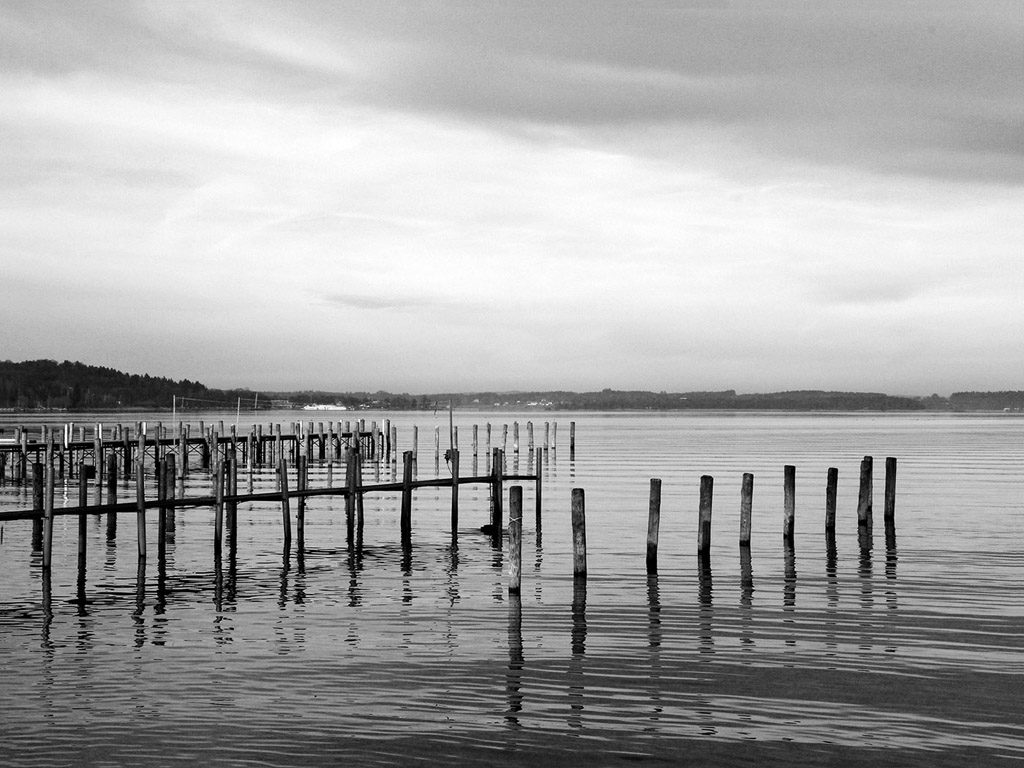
x=38, y=489
x=286, y=517
x=515, y=538
x=497, y=492
x=864, y=497
x=301, y=481
x=707, y=486
x=831, y=486
x=140, y=500
x=351, y=459
x=789, y=501
x=455, y=490
x=218, y=510
x=406, y=513
x=83, y=500
x=579, y=532
x=889, y=510
x=746, y=508
x=48, y=516
x=653, y=524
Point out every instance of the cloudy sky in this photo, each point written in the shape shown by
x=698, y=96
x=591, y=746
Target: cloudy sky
x=438, y=196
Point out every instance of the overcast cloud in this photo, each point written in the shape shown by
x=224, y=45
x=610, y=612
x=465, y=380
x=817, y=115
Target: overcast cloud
x=431, y=196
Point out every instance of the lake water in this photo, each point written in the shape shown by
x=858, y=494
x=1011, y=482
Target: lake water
x=911, y=654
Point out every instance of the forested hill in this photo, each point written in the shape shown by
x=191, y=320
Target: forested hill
x=49, y=384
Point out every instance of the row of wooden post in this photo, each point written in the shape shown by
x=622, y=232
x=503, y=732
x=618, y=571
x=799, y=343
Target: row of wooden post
x=864, y=508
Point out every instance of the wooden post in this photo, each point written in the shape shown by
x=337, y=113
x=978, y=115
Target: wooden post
x=351, y=455
x=83, y=501
x=170, y=476
x=406, y=514
x=218, y=510
x=746, y=508
x=515, y=437
x=286, y=517
x=864, y=497
x=515, y=539
x=48, y=516
x=789, y=502
x=579, y=533
x=111, y=495
x=301, y=481
x=889, y=510
x=831, y=484
x=537, y=495
x=455, y=491
x=476, y=439
x=707, y=485
x=497, y=493
x=38, y=489
x=572, y=440
x=653, y=524
x=140, y=501
x=161, y=510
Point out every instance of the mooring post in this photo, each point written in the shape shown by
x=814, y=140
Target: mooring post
x=572, y=440
x=889, y=510
x=653, y=524
x=579, y=533
x=746, y=508
x=38, y=486
x=864, y=497
x=218, y=509
x=161, y=510
x=497, y=492
x=707, y=485
x=831, y=485
x=406, y=514
x=455, y=490
x=789, y=501
x=48, y=516
x=537, y=495
x=111, y=495
x=83, y=502
x=350, y=498
x=515, y=539
x=170, y=478
x=286, y=516
x=140, y=501
x=301, y=481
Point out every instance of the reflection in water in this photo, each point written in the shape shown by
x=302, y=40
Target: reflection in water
x=789, y=593
x=514, y=676
x=746, y=599
x=579, y=645
x=140, y=604
x=654, y=640
x=706, y=637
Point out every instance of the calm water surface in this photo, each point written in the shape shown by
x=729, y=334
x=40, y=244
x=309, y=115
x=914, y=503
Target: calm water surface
x=910, y=654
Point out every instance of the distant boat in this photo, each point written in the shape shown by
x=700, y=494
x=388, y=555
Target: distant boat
x=323, y=407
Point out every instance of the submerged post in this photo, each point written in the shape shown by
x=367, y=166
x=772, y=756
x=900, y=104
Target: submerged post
x=579, y=533
x=515, y=539
x=746, y=508
x=864, y=497
x=653, y=523
x=406, y=515
x=707, y=486
x=831, y=484
x=789, y=502
x=890, y=491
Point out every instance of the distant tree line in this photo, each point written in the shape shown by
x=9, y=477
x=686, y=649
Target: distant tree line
x=75, y=386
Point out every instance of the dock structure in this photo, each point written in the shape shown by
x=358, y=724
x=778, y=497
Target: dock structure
x=152, y=456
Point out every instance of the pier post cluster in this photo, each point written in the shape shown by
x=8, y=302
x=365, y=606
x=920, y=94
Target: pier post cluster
x=864, y=509
x=171, y=458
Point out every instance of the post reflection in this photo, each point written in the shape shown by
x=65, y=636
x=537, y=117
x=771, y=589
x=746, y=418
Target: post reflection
x=452, y=572
x=579, y=647
x=705, y=633
x=516, y=661
x=746, y=599
x=789, y=592
x=140, y=604
x=654, y=641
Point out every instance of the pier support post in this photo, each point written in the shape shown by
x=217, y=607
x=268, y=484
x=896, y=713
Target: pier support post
x=746, y=508
x=406, y=515
x=707, y=486
x=789, y=502
x=864, y=497
x=455, y=490
x=286, y=515
x=515, y=539
x=653, y=524
x=831, y=485
x=579, y=533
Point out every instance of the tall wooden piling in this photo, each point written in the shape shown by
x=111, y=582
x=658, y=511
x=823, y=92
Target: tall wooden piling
x=140, y=501
x=831, y=486
x=515, y=538
x=406, y=514
x=889, y=510
x=218, y=509
x=111, y=495
x=38, y=489
x=351, y=457
x=864, y=497
x=301, y=481
x=579, y=533
x=746, y=508
x=707, y=486
x=653, y=524
x=572, y=441
x=497, y=492
x=455, y=490
x=286, y=516
x=83, y=501
x=48, y=515
x=789, y=502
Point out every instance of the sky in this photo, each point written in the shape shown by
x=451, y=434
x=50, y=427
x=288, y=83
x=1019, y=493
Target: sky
x=468, y=196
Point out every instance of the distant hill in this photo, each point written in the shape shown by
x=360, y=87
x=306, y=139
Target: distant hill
x=47, y=384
